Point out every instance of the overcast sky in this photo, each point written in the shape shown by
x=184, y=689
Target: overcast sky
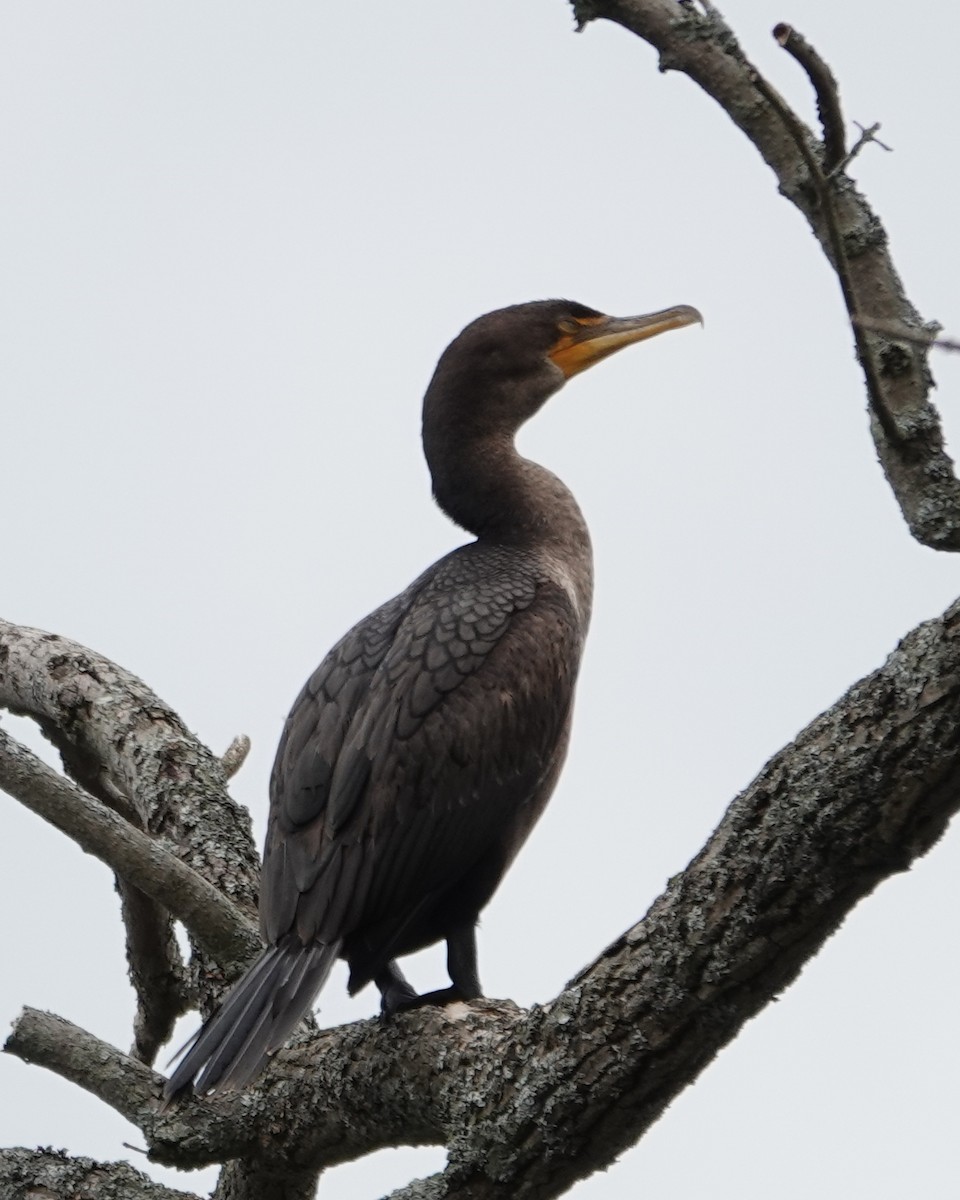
x=234, y=239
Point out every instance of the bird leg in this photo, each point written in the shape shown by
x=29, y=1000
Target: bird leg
x=462, y=962
x=397, y=995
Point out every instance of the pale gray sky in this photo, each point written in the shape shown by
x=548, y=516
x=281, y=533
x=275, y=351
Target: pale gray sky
x=234, y=238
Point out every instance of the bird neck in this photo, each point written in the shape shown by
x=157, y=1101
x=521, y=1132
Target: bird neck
x=483, y=483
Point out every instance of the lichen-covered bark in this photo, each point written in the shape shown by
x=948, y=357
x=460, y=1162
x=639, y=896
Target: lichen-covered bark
x=144, y=867
x=128, y=749
x=917, y=467
x=96, y=712
x=247, y=1181
x=51, y=1175
x=526, y=1102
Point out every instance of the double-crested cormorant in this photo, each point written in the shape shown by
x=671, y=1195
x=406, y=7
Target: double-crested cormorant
x=426, y=744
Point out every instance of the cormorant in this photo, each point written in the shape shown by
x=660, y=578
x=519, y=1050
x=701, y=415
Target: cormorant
x=424, y=747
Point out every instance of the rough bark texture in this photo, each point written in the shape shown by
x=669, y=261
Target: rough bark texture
x=904, y=424
x=225, y=933
x=96, y=713
x=52, y=1175
x=526, y=1102
x=126, y=748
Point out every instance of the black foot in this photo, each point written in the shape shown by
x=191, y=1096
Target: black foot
x=435, y=999
x=396, y=993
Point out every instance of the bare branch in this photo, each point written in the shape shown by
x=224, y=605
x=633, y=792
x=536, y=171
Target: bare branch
x=921, y=337
x=865, y=789
x=867, y=134
x=129, y=1087
x=905, y=427
x=33, y=1174
x=530, y=1101
x=228, y=936
x=118, y=739
x=235, y=755
x=802, y=137
x=49, y=1041
x=155, y=968
x=241, y=1180
x=93, y=709
x=825, y=87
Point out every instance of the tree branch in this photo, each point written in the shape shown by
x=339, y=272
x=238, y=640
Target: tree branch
x=125, y=1084
x=241, y=1180
x=92, y=708
x=36, y=1174
x=235, y=755
x=226, y=934
x=129, y=1087
x=528, y=1102
x=155, y=967
x=827, y=93
x=119, y=740
x=905, y=426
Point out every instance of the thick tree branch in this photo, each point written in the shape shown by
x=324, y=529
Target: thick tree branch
x=241, y=1180
x=905, y=425
x=92, y=708
x=528, y=1102
x=226, y=934
x=125, y=1084
x=120, y=741
x=45, y=1174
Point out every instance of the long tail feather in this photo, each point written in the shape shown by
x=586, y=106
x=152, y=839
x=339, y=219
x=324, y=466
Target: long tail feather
x=256, y=1018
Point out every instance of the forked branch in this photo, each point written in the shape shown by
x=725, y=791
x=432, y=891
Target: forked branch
x=905, y=425
x=528, y=1102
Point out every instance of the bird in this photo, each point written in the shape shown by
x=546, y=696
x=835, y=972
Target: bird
x=422, y=750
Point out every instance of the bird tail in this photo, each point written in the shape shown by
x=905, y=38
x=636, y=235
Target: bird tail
x=258, y=1015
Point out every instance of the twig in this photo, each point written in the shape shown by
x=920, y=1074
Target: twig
x=802, y=138
x=235, y=755
x=866, y=135
x=125, y=1084
x=903, y=334
x=825, y=87
x=221, y=928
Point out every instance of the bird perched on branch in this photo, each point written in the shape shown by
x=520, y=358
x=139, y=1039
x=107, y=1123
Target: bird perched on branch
x=424, y=747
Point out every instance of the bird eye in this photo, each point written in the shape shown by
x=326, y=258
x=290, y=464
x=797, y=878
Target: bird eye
x=569, y=325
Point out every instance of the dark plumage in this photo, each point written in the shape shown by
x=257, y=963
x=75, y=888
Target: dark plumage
x=424, y=747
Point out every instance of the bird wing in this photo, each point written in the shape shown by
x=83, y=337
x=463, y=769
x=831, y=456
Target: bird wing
x=310, y=744
x=428, y=752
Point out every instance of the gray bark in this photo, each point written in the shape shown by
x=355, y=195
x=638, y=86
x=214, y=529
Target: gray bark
x=529, y=1101
x=526, y=1102
x=904, y=425
x=52, y=1175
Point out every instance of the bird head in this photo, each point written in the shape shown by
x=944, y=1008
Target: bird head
x=501, y=369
